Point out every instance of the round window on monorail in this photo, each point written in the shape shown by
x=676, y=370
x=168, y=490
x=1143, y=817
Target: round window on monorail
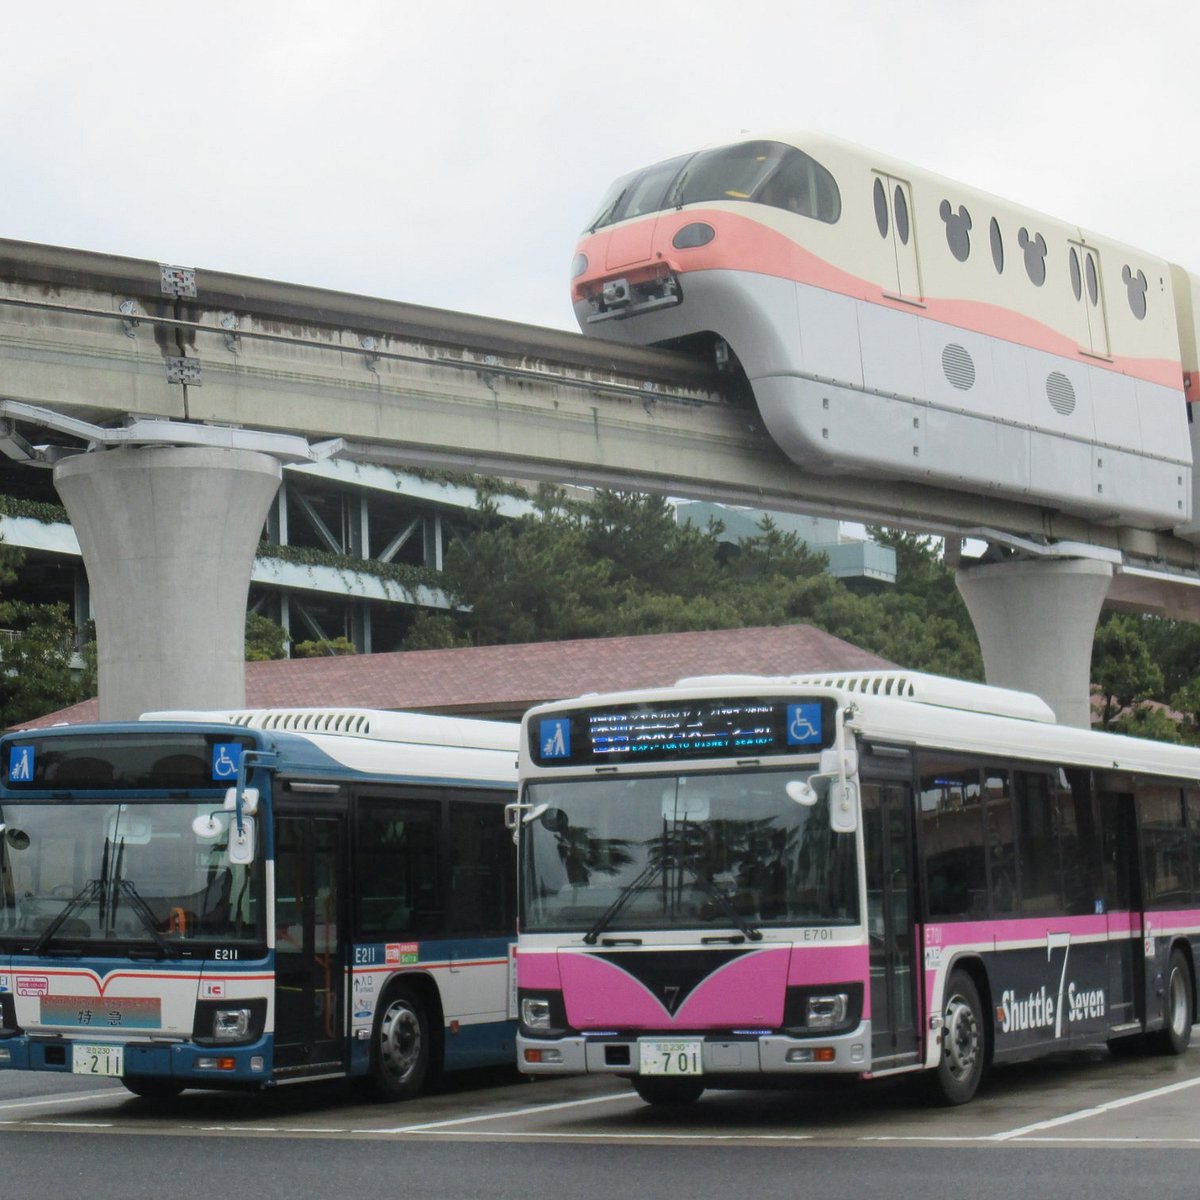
x=697, y=233
x=901, y=215
x=881, y=208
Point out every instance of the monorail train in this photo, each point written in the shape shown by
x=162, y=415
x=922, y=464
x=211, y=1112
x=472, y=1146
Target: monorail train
x=894, y=322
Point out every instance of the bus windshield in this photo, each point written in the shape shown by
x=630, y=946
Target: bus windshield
x=711, y=850
x=125, y=872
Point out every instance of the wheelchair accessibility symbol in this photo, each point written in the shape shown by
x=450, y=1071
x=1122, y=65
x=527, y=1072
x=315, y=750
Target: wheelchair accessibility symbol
x=804, y=725
x=226, y=758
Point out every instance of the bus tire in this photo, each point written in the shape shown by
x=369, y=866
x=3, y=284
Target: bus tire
x=151, y=1087
x=1177, y=1006
x=400, y=1045
x=655, y=1090
x=964, y=1043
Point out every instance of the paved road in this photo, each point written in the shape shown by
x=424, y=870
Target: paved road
x=1079, y=1126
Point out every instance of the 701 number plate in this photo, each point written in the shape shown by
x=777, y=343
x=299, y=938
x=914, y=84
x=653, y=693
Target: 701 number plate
x=669, y=1058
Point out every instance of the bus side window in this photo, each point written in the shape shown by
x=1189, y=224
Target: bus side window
x=1002, y=841
x=1079, y=843
x=399, y=866
x=1165, y=869
x=1191, y=803
x=483, y=877
x=1035, y=803
x=951, y=816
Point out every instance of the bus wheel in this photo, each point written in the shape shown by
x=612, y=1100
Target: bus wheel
x=1177, y=1033
x=151, y=1088
x=655, y=1090
x=400, y=1047
x=964, y=1042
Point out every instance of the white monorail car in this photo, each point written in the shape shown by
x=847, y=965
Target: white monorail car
x=894, y=322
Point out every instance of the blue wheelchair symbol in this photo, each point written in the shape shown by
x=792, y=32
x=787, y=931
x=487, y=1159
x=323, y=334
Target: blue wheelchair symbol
x=226, y=758
x=21, y=763
x=804, y=725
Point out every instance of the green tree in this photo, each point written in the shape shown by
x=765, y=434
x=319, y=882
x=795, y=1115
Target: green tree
x=40, y=670
x=324, y=647
x=265, y=639
x=1122, y=667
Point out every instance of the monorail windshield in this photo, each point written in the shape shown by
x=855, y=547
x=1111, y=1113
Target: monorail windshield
x=716, y=850
x=760, y=172
x=153, y=874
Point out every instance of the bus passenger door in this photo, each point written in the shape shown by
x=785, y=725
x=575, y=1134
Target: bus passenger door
x=891, y=922
x=1123, y=907
x=310, y=955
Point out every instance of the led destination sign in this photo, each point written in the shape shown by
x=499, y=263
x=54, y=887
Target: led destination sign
x=741, y=727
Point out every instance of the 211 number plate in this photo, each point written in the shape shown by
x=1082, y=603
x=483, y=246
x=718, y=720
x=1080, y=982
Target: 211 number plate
x=669, y=1058
x=97, y=1060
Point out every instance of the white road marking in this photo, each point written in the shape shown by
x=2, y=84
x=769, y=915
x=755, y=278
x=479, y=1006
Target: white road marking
x=516, y=1112
x=1099, y=1110
x=81, y=1098
x=615, y=1135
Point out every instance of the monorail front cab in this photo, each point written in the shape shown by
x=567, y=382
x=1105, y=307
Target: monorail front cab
x=891, y=321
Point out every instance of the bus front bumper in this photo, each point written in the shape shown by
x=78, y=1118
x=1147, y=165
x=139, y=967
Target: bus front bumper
x=767, y=1054
x=185, y=1062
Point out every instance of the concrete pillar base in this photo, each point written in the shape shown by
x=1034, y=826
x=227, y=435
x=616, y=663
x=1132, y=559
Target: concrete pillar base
x=1035, y=621
x=168, y=537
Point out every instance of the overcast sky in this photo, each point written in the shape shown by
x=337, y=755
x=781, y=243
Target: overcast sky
x=447, y=153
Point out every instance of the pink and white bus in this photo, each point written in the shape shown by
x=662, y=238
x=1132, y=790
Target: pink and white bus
x=745, y=879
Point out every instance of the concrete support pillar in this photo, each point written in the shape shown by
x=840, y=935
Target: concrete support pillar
x=168, y=538
x=1035, y=620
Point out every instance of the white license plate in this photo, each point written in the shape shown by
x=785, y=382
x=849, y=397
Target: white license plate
x=97, y=1060
x=669, y=1058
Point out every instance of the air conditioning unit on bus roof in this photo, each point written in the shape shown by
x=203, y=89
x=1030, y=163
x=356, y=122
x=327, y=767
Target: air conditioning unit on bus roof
x=915, y=686
x=377, y=725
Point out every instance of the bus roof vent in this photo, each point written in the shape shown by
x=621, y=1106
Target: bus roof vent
x=346, y=721
x=903, y=685
x=937, y=690
x=382, y=726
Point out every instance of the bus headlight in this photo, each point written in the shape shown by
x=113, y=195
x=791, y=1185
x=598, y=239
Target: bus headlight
x=827, y=1012
x=535, y=1013
x=229, y=1021
x=231, y=1024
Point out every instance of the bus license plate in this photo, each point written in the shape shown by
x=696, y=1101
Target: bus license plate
x=669, y=1058
x=97, y=1060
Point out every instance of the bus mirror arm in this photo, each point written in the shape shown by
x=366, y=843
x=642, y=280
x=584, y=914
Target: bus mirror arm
x=843, y=791
x=243, y=802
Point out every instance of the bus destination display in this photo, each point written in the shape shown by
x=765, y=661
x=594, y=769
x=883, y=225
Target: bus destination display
x=747, y=727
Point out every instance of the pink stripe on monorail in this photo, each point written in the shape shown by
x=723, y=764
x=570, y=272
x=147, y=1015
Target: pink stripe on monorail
x=743, y=244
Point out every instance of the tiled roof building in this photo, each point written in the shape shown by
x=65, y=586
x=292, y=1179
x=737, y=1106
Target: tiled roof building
x=503, y=681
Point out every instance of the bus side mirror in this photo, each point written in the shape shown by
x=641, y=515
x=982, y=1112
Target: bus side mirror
x=241, y=845
x=843, y=806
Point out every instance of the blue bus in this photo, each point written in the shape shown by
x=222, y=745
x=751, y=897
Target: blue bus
x=247, y=899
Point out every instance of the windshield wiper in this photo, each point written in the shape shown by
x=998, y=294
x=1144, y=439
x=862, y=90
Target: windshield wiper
x=145, y=913
x=89, y=891
x=723, y=902
x=649, y=873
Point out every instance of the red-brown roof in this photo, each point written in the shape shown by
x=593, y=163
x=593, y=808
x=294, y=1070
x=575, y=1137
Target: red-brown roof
x=503, y=681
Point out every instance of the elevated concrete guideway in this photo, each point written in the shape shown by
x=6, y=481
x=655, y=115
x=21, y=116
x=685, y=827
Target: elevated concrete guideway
x=208, y=363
